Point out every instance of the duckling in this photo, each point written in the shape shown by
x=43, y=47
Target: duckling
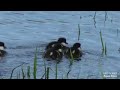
x=75, y=50
x=54, y=53
x=61, y=41
x=2, y=49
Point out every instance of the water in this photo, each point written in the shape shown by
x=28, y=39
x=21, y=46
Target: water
x=23, y=31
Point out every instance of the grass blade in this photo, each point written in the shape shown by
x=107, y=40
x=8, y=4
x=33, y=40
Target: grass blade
x=105, y=17
x=47, y=77
x=23, y=74
x=56, y=71
x=14, y=69
x=35, y=65
x=17, y=76
x=105, y=49
x=78, y=32
x=43, y=76
x=45, y=68
x=71, y=58
x=28, y=72
x=102, y=41
x=94, y=19
x=68, y=73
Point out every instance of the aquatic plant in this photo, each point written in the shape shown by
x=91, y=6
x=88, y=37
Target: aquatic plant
x=47, y=73
x=56, y=71
x=71, y=58
x=14, y=69
x=78, y=32
x=23, y=73
x=28, y=72
x=35, y=65
x=101, y=41
x=104, y=47
x=105, y=17
x=70, y=68
x=45, y=69
x=18, y=75
x=94, y=17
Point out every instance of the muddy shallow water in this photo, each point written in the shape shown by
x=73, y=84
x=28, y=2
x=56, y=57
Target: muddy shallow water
x=23, y=31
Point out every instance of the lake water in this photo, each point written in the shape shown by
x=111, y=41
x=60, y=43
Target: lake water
x=23, y=31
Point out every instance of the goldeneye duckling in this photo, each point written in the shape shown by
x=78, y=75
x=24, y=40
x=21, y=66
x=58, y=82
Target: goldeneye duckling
x=75, y=51
x=2, y=49
x=61, y=41
x=54, y=53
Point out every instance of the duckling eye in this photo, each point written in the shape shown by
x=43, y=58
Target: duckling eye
x=51, y=53
x=60, y=50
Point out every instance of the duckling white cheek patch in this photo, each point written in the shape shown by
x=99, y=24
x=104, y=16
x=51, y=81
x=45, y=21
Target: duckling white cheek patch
x=60, y=50
x=79, y=48
x=1, y=48
x=53, y=45
x=51, y=53
x=73, y=51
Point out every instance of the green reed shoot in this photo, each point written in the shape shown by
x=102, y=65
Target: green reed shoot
x=28, y=72
x=105, y=49
x=78, y=32
x=17, y=76
x=71, y=58
x=102, y=41
x=35, y=65
x=56, y=73
x=47, y=73
x=23, y=73
x=45, y=68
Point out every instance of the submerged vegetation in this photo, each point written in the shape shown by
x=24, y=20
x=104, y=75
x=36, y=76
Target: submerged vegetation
x=104, y=48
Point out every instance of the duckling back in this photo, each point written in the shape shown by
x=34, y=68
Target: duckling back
x=74, y=52
x=54, y=53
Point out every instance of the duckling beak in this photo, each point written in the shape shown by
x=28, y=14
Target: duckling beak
x=64, y=44
x=79, y=48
